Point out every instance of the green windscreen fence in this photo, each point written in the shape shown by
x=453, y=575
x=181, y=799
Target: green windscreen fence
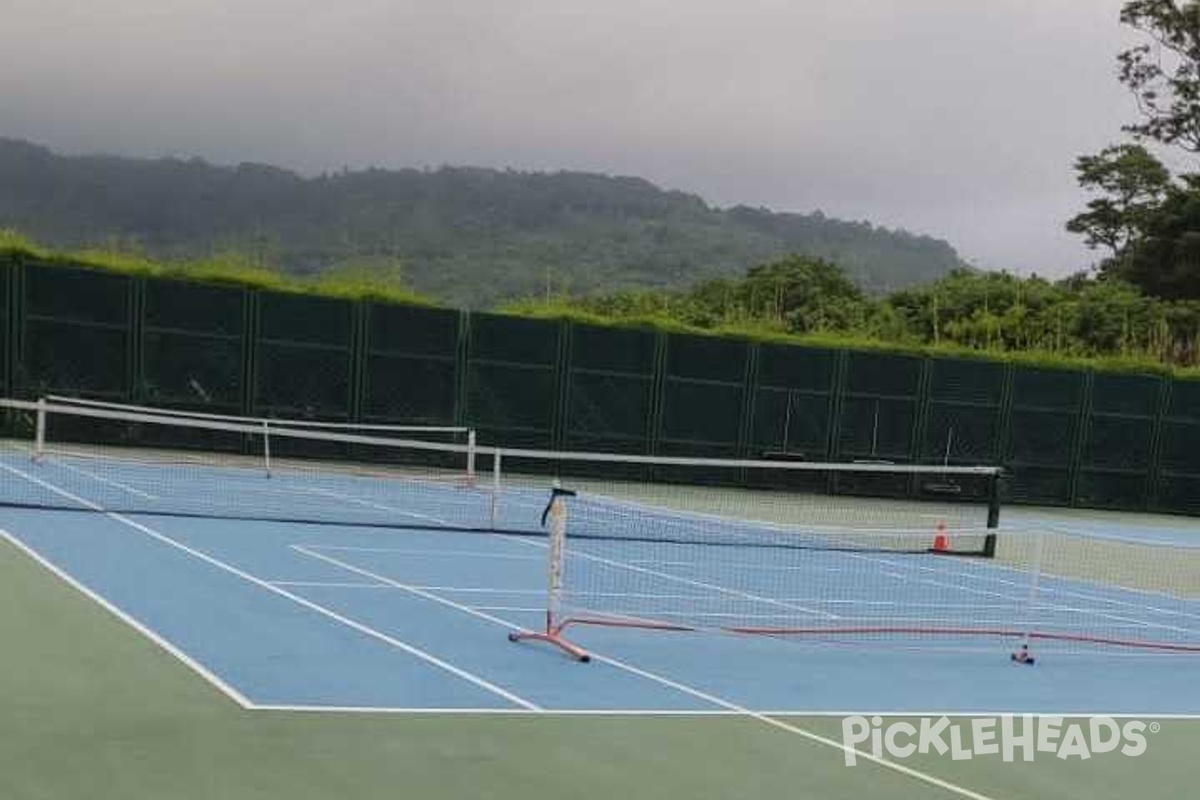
x=793, y=400
x=513, y=379
x=1178, y=488
x=1067, y=437
x=7, y=336
x=610, y=395
x=793, y=403
x=410, y=373
x=703, y=394
x=193, y=347
x=878, y=419
x=1043, y=434
x=963, y=418
x=302, y=360
x=879, y=407
x=77, y=337
x=1118, y=439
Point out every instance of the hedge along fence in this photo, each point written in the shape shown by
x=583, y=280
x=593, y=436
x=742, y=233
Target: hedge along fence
x=1069, y=436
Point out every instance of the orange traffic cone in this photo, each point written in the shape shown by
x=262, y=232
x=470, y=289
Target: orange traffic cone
x=941, y=543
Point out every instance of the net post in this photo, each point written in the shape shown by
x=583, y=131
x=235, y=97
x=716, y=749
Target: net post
x=494, y=512
x=556, y=514
x=555, y=557
x=1035, y=579
x=471, y=452
x=993, y=514
x=266, y=434
x=39, y=444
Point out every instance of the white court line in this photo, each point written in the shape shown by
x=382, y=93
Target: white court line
x=577, y=553
x=345, y=498
x=1017, y=600
x=412, y=650
x=329, y=585
x=986, y=573
x=1020, y=601
x=161, y=642
x=698, y=694
x=436, y=553
x=98, y=478
x=706, y=712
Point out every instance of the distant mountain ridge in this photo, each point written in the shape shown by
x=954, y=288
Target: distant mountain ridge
x=466, y=235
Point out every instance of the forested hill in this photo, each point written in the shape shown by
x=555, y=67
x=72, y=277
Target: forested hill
x=465, y=235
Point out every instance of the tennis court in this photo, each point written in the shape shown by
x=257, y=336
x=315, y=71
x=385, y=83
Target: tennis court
x=298, y=607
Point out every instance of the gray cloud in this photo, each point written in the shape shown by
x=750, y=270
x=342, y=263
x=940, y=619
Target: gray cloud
x=956, y=118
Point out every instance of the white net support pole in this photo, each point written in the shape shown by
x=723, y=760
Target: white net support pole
x=471, y=453
x=266, y=434
x=39, y=444
x=494, y=510
x=1035, y=580
x=555, y=518
x=554, y=559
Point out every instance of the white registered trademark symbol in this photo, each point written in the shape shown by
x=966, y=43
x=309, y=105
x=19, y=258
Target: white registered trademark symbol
x=1155, y=727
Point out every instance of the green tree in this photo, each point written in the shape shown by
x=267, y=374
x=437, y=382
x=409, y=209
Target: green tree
x=806, y=294
x=1164, y=75
x=1149, y=221
x=1134, y=184
x=1165, y=259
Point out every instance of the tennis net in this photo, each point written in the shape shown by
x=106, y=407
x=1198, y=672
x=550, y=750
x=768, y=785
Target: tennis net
x=454, y=434
x=777, y=548
x=1044, y=587
x=141, y=460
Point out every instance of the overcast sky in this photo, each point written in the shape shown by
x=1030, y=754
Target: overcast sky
x=955, y=118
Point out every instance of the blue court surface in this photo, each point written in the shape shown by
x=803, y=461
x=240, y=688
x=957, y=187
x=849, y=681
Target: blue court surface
x=333, y=617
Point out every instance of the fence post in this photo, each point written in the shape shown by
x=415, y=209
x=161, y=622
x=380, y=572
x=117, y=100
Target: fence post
x=1004, y=422
x=837, y=392
x=359, y=345
x=1082, y=426
x=135, y=347
x=658, y=393
x=562, y=383
x=749, y=401
x=8, y=362
x=462, y=363
x=1157, y=432
x=250, y=306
